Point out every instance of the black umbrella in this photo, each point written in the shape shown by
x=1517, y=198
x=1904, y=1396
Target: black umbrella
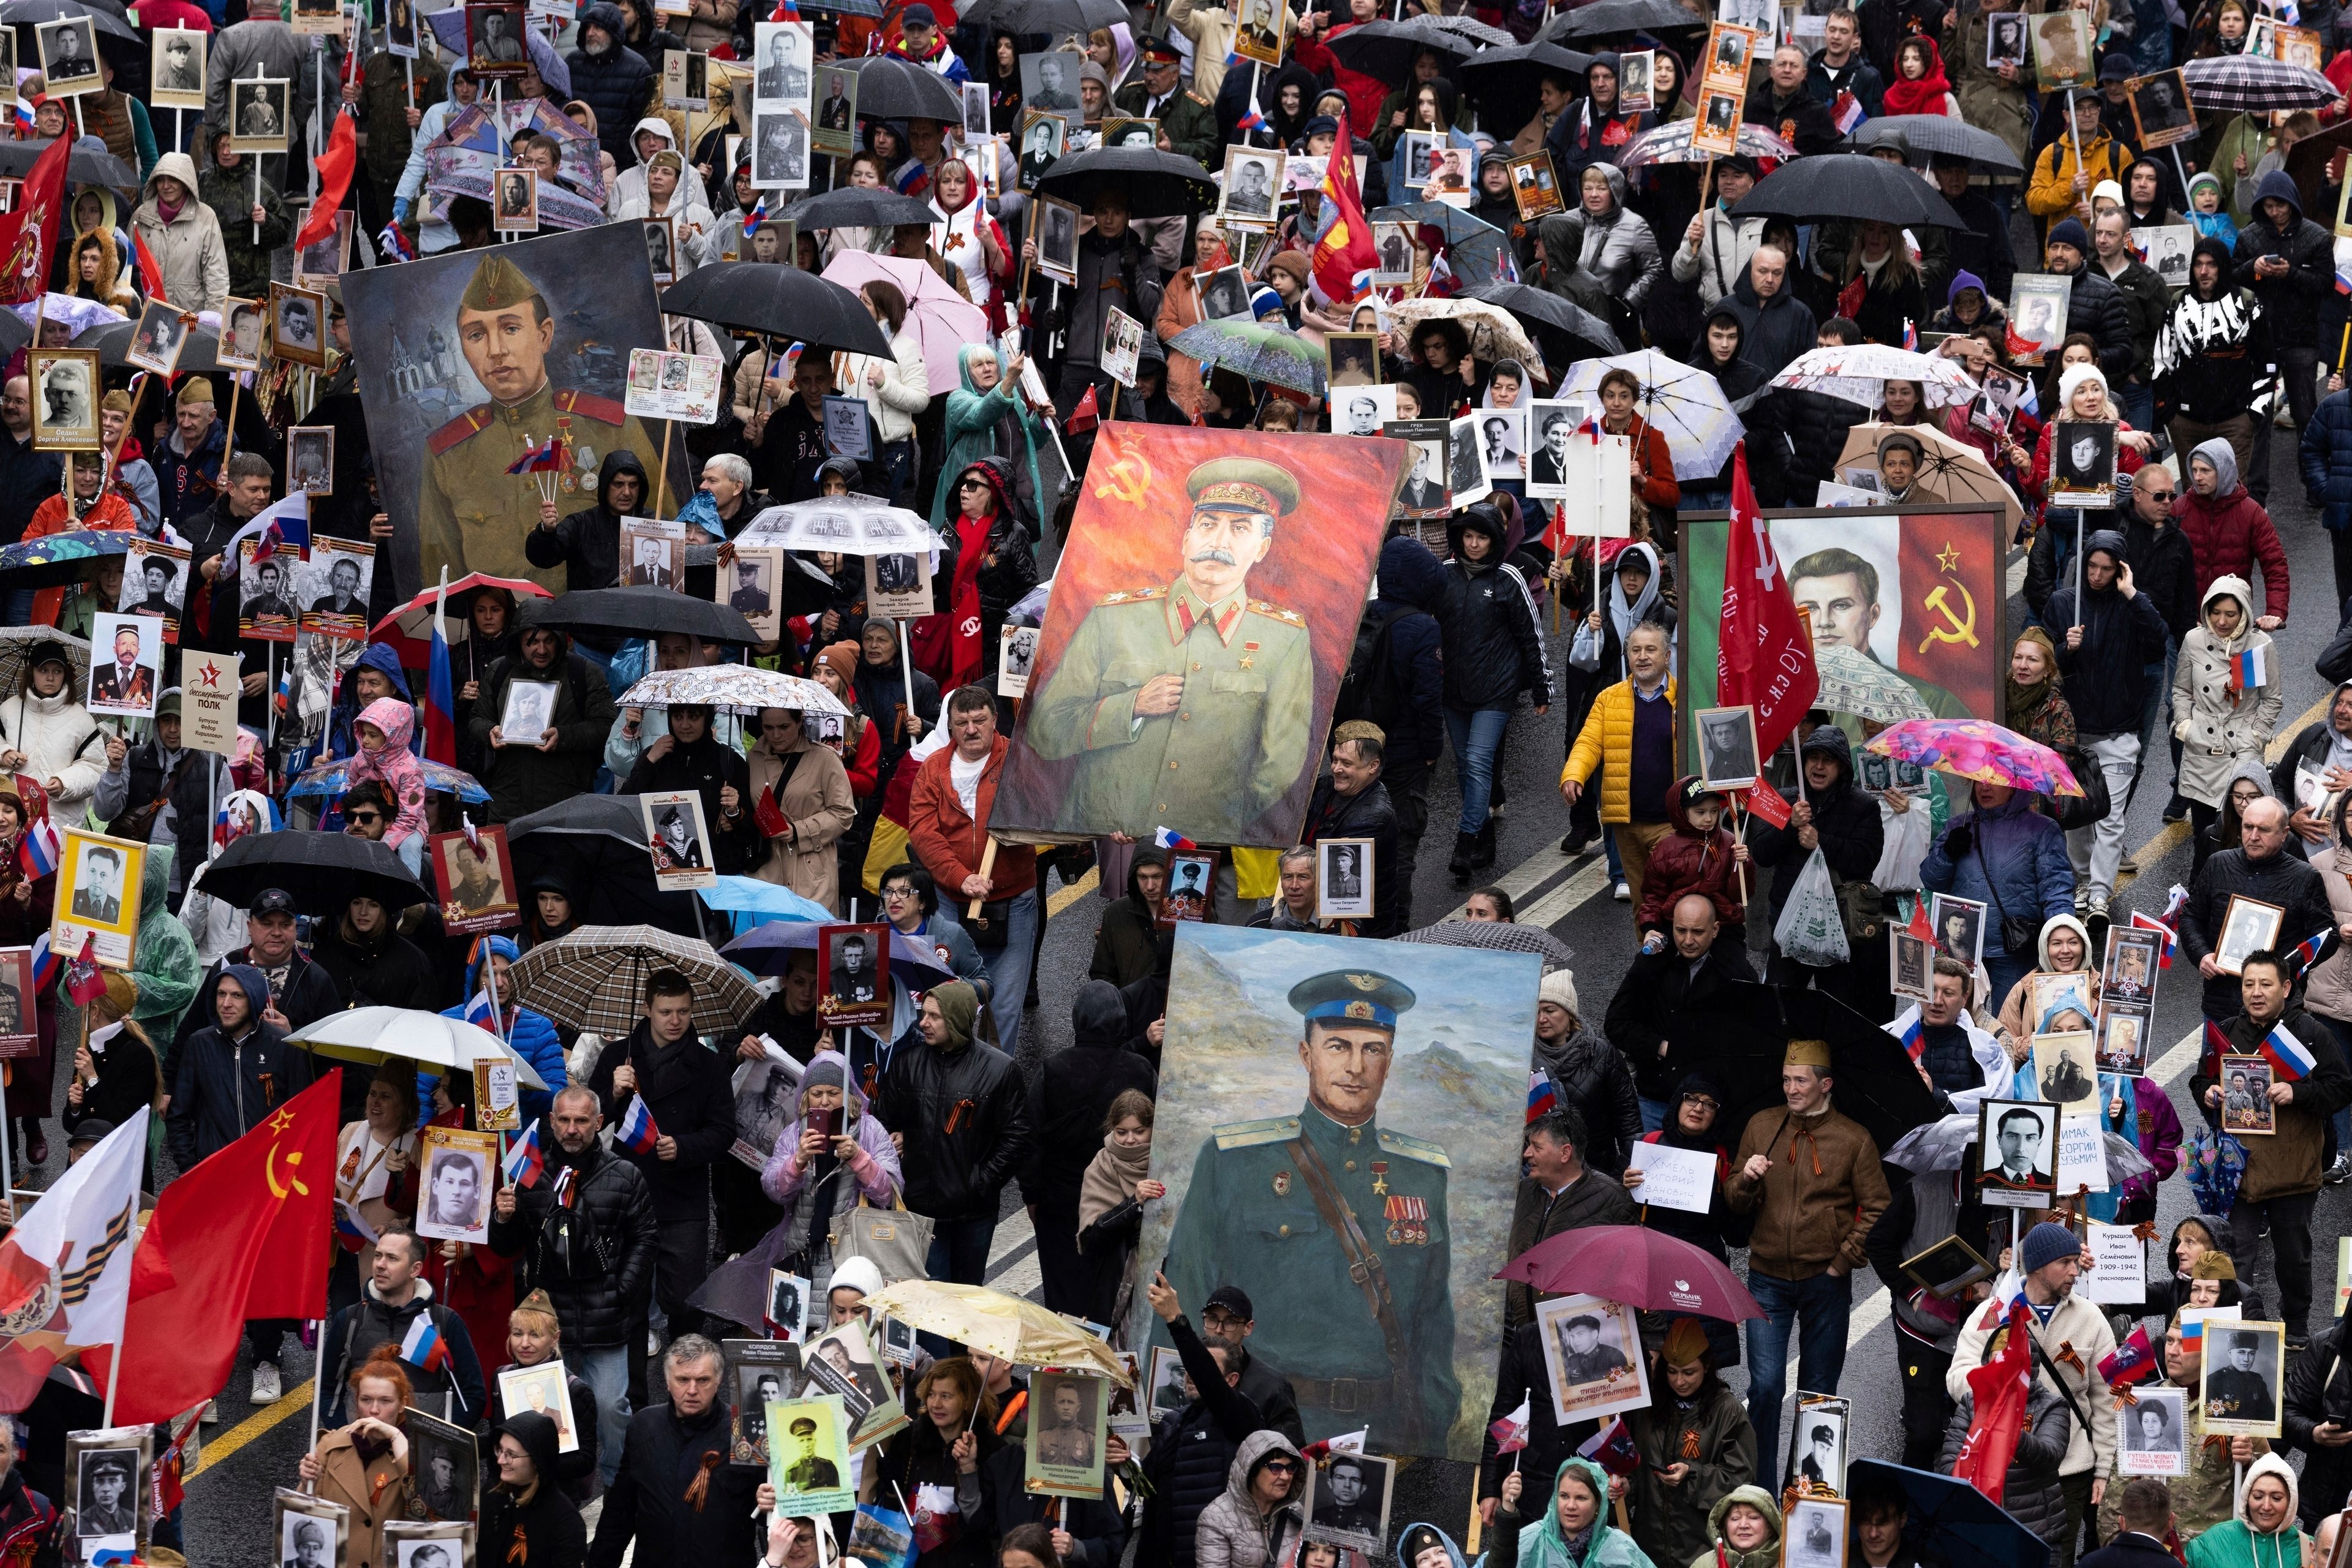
x=1846, y=185
x=29, y=14
x=15, y=333
x=1387, y=49
x=1920, y=135
x=889, y=88
x=1605, y=17
x=859, y=207
x=320, y=871
x=1743, y=1032
x=1503, y=82
x=84, y=165
x=1563, y=316
x=594, y=844
x=1157, y=184
x=641, y=612
x=198, y=356
x=1045, y=16
x=761, y=297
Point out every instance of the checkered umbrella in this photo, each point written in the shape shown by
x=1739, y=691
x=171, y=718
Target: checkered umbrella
x=595, y=978
x=17, y=644
x=2255, y=84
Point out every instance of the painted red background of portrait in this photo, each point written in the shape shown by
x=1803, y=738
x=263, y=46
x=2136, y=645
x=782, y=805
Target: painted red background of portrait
x=1125, y=535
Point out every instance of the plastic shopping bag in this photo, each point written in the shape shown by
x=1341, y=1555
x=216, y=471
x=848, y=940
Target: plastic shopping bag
x=1810, y=931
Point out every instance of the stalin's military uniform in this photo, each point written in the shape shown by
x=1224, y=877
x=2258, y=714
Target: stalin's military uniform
x=1249, y=691
x=1340, y=1236
x=472, y=515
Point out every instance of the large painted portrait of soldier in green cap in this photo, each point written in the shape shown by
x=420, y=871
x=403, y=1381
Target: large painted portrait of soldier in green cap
x=1338, y=1126
x=469, y=360
x=1202, y=613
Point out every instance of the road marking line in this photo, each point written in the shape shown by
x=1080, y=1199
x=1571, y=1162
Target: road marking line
x=1568, y=897
x=220, y=1449
x=1527, y=876
x=1074, y=892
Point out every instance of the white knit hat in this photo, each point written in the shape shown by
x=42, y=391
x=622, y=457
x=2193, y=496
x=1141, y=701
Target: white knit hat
x=1558, y=988
x=2073, y=376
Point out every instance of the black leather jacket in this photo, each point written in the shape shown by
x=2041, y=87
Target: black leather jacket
x=601, y=1276
x=964, y=1114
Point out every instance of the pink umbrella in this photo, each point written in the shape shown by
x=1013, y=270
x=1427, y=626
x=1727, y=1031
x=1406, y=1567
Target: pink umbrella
x=1638, y=1267
x=943, y=321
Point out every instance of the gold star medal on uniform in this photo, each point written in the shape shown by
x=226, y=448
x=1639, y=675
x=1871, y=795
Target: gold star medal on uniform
x=1379, y=1177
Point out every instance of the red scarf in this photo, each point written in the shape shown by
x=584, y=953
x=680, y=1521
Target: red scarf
x=1925, y=96
x=946, y=648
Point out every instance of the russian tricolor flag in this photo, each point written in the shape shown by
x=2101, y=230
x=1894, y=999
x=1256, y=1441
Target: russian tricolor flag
x=2289, y=1058
x=1848, y=111
x=756, y=217
x=440, y=688
x=2248, y=667
x=1541, y=1098
x=2149, y=923
x=545, y=457
x=638, y=1134
x=423, y=1347
x=1168, y=839
x=42, y=851
x=526, y=1159
x=352, y=1233
x=1912, y=1030
x=2307, y=951
x=46, y=963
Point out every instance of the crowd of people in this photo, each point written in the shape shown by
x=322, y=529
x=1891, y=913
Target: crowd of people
x=2143, y=639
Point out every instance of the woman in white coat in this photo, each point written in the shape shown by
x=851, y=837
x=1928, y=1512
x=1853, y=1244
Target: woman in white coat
x=183, y=235
x=895, y=389
x=2220, y=725
x=46, y=733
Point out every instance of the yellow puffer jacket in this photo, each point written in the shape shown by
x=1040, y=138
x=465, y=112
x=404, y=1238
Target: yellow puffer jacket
x=1606, y=741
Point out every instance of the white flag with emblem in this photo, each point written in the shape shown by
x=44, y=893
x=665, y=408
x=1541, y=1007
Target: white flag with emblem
x=65, y=1269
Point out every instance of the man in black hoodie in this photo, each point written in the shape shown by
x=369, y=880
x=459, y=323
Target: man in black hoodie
x=1067, y=1107
x=1406, y=698
x=2103, y=652
x=2289, y=262
x=587, y=543
x=686, y=1089
x=610, y=77
x=1129, y=943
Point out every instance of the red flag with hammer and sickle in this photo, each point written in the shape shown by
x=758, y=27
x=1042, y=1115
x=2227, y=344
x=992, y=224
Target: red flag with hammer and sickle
x=1765, y=659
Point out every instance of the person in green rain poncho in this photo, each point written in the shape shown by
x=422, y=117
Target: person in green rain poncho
x=1573, y=1531
x=986, y=416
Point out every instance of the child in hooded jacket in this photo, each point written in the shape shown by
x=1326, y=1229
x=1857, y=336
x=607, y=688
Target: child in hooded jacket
x=384, y=728
x=1698, y=855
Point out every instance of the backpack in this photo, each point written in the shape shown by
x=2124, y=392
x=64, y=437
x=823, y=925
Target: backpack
x=1369, y=687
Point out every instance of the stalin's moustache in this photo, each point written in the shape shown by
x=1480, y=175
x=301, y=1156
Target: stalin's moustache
x=1222, y=557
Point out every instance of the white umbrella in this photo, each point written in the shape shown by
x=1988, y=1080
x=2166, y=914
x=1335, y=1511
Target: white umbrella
x=1859, y=374
x=739, y=688
x=370, y=1035
x=845, y=525
x=1684, y=405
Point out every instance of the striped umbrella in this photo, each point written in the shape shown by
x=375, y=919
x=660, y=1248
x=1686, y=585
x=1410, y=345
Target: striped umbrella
x=1671, y=144
x=2255, y=84
x=595, y=978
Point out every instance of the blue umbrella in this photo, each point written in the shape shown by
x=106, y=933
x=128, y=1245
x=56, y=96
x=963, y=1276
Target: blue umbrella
x=754, y=904
x=326, y=779
x=61, y=557
x=1952, y=1522
x=913, y=962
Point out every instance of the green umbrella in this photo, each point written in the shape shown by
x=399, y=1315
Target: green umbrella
x=1256, y=351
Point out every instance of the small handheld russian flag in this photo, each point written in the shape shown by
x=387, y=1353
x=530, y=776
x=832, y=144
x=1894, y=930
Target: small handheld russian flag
x=1251, y=120
x=1848, y=111
x=353, y=1233
x=526, y=1159
x=545, y=457
x=1912, y=1030
x=42, y=850
x=2141, y=921
x=423, y=1347
x=638, y=1134
x=2307, y=951
x=44, y=963
x=756, y=217
x=2248, y=667
x=1612, y=1449
x=1511, y=1431
x=1910, y=336
x=397, y=242
x=2289, y=1058
x=1541, y=1101
x=1168, y=839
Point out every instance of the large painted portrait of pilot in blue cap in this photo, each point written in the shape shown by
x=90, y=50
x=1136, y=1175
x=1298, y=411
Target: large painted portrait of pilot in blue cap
x=1338, y=1126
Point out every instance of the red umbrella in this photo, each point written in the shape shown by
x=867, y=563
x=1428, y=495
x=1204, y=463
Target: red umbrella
x=409, y=627
x=1640, y=1267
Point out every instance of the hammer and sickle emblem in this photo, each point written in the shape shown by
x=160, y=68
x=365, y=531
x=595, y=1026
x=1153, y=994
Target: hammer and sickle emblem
x=293, y=1182
x=1129, y=477
x=1957, y=629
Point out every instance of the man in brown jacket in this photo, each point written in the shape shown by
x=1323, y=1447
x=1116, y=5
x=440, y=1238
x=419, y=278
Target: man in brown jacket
x=1559, y=1193
x=1812, y=1179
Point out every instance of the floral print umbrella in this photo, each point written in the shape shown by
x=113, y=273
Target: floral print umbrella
x=1972, y=749
x=61, y=557
x=1859, y=374
x=739, y=688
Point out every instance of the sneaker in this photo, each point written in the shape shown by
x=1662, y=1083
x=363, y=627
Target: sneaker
x=1621, y=892
x=267, y=1389
x=2342, y=1169
x=212, y=1410
x=2176, y=809
x=2098, y=906
x=2129, y=863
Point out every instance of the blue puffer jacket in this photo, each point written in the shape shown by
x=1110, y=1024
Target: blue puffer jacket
x=530, y=1034
x=378, y=656
x=616, y=83
x=2326, y=454
x=2023, y=850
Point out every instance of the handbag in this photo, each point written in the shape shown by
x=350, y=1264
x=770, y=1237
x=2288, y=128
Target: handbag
x=2020, y=937
x=2073, y=811
x=990, y=928
x=894, y=1240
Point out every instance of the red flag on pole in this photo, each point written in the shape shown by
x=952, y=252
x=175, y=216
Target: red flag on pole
x=1999, y=1387
x=1764, y=659
x=26, y=229
x=244, y=1233
x=150, y=275
x=335, y=165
